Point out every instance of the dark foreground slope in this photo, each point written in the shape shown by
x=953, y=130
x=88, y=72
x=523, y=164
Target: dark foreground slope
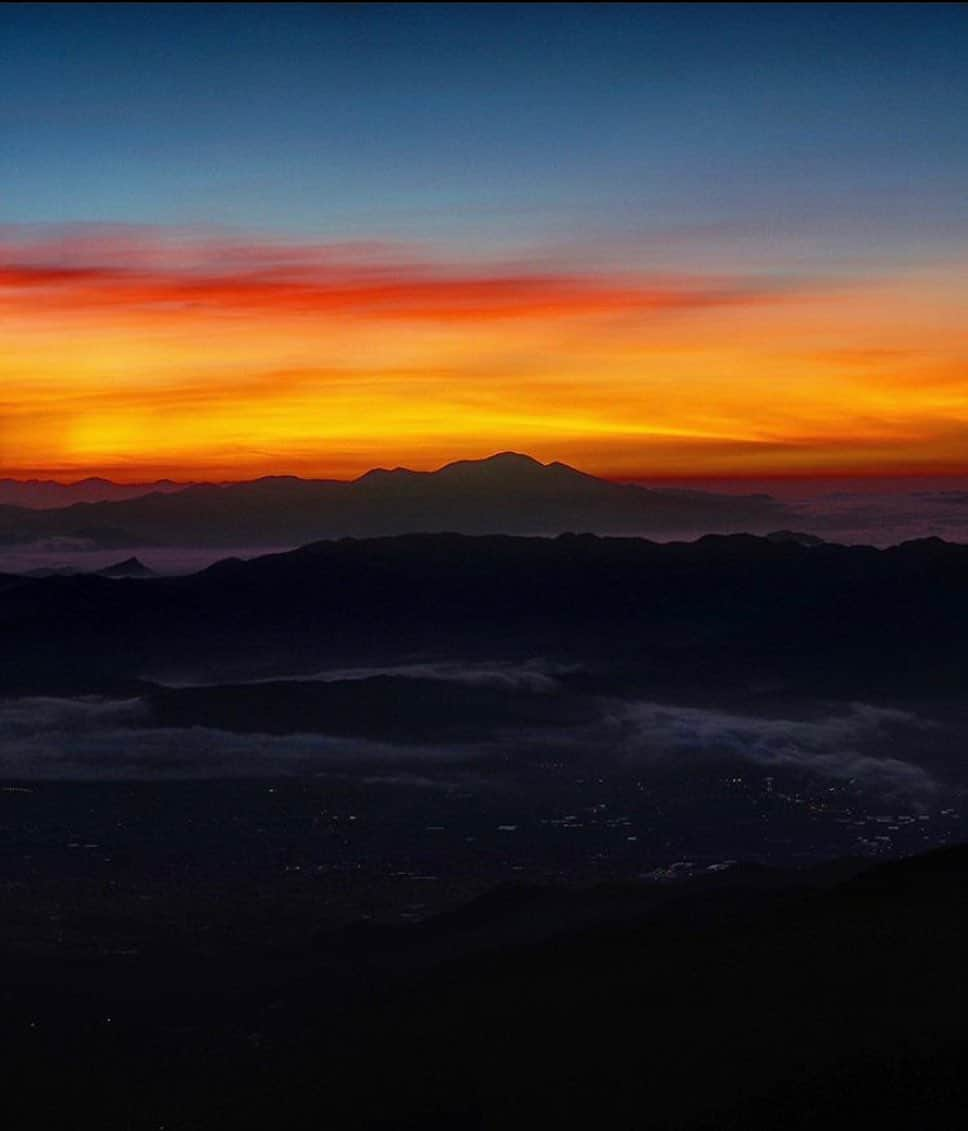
x=746, y=1001
x=727, y=613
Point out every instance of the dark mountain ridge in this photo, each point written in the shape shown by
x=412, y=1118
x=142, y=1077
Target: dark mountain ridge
x=506, y=493
x=43, y=494
x=719, y=612
x=130, y=567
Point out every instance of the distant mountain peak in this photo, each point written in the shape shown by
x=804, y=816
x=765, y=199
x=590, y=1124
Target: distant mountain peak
x=509, y=458
x=500, y=466
x=130, y=567
x=508, y=492
x=498, y=460
x=378, y=473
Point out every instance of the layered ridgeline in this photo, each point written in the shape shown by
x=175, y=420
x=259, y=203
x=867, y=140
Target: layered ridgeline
x=507, y=493
x=48, y=494
x=730, y=612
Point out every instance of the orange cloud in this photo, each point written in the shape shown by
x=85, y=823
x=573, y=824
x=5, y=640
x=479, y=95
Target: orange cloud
x=132, y=352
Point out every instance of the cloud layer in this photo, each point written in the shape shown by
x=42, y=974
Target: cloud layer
x=142, y=271
x=537, y=675
x=854, y=745
x=87, y=738
x=873, y=747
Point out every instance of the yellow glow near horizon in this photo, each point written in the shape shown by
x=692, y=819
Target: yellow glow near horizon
x=328, y=372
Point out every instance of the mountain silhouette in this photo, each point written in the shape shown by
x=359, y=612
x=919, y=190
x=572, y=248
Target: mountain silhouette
x=723, y=612
x=507, y=493
x=130, y=567
x=47, y=493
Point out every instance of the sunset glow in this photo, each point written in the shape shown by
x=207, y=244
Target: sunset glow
x=195, y=358
x=677, y=288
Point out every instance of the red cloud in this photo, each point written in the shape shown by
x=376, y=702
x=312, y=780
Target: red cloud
x=148, y=273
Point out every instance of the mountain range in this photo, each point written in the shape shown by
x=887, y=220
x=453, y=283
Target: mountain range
x=44, y=494
x=721, y=612
x=507, y=493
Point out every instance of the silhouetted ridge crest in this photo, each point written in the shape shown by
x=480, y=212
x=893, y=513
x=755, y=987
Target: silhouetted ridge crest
x=728, y=611
x=508, y=493
x=130, y=567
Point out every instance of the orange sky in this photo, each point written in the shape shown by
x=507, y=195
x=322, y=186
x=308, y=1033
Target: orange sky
x=199, y=358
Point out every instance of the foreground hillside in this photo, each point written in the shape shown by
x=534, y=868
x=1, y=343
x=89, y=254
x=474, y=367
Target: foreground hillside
x=751, y=1000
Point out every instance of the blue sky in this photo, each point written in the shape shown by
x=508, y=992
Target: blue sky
x=830, y=131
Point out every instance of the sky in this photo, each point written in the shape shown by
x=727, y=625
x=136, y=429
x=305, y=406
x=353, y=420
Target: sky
x=653, y=241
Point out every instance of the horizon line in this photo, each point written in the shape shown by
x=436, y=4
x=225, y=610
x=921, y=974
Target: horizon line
x=125, y=477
